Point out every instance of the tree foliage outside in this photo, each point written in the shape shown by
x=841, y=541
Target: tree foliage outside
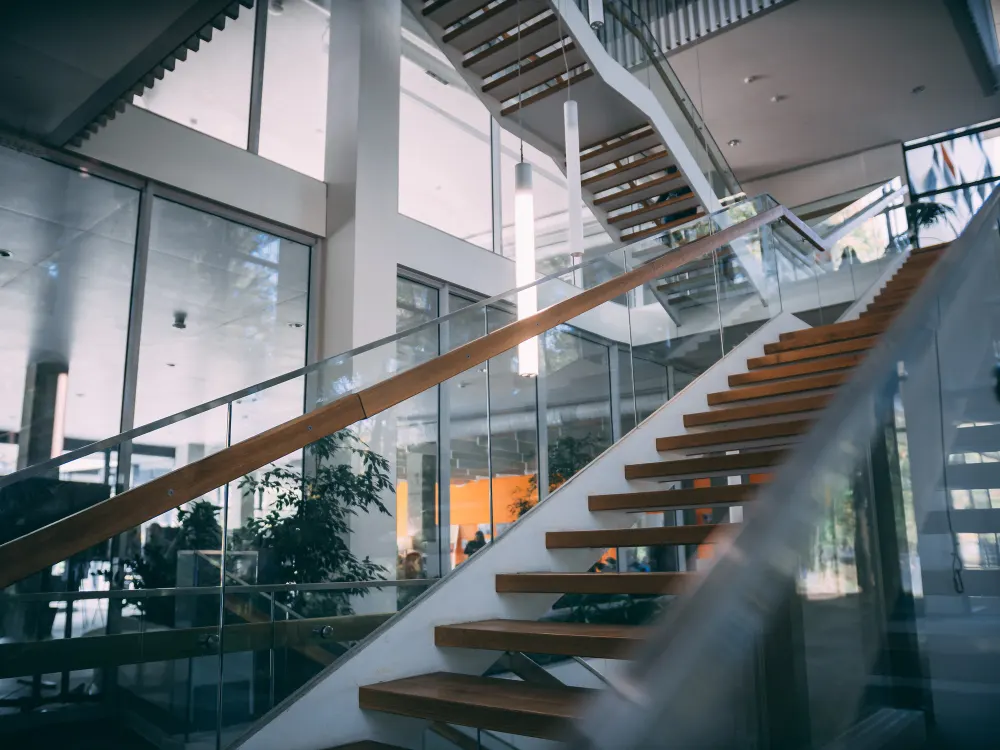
x=304, y=537
x=305, y=534
x=567, y=455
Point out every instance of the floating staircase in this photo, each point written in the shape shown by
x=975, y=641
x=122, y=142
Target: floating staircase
x=519, y=56
x=746, y=435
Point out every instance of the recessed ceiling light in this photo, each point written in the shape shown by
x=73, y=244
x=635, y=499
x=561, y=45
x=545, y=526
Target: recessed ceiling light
x=750, y=79
x=295, y=325
x=778, y=98
x=171, y=364
x=5, y=253
x=735, y=142
x=918, y=89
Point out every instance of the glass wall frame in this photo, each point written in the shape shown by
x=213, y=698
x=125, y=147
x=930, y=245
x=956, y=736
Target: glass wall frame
x=78, y=608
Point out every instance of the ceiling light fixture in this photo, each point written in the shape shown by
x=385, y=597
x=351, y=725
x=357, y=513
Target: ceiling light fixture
x=5, y=253
x=918, y=89
x=751, y=79
x=180, y=319
x=524, y=237
x=296, y=324
x=735, y=142
x=778, y=98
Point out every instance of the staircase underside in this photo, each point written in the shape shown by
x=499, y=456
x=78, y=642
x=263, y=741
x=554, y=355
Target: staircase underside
x=59, y=93
x=522, y=62
x=761, y=415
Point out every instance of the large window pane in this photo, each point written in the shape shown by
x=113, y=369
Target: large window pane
x=210, y=91
x=293, y=108
x=469, y=512
x=418, y=554
x=551, y=204
x=66, y=249
x=444, y=147
x=225, y=308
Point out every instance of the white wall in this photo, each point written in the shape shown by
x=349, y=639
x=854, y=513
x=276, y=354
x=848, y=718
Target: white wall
x=817, y=181
x=325, y=713
x=147, y=144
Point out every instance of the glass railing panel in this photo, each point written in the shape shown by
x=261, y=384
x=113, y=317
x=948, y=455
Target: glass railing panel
x=628, y=36
x=859, y=604
x=360, y=522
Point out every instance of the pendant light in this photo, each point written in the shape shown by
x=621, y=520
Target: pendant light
x=574, y=185
x=595, y=13
x=524, y=264
x=574, y=188
x=524, y=238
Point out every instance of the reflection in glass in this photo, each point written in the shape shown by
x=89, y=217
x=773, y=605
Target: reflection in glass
x=418, y=555
x=445, y=158
x=293, y=103
x=65, y=281
x=210, y=91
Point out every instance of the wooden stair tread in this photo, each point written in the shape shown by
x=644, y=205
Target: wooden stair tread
x=546, y=93
x=620, y=145
x=535, y=72
x=757, y=411
x=697, y=497
x=645, y=165
x=642, y=191
x=522, y=708
x=780, y=388
x=447, y=12
x=648, y=213
x=796, y=369
x=637, y=537
x=662, y=226
x=506, y=52
x=493, y=23
x=530, y=636
x=733, y=435
x=827, y=334
x=702, y=467
x=813, y=352
x=593, y=583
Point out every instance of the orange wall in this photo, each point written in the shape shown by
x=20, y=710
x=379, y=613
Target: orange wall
x=470, y=502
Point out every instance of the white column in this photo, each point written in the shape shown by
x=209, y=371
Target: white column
x=359, y=270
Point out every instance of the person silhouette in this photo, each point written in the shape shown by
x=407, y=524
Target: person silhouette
x=475, y=544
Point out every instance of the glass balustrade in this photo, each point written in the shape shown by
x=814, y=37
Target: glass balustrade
x=858, y=605
x=319, y=547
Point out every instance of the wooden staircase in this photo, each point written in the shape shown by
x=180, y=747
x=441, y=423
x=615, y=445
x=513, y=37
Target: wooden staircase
x=764, y=411
x=517, y=55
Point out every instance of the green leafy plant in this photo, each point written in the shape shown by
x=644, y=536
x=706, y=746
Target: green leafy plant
x=923, y=214
x=567, y=455
x=198, y=529
x=304, y=536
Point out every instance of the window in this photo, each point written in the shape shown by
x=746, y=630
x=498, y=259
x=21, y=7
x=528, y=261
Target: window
x=444, y=147
x=210, y=91
x=957, y=171
x=293, y=105
x=67, y=243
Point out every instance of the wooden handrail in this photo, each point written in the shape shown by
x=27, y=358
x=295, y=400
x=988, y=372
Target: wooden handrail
x=59, y=540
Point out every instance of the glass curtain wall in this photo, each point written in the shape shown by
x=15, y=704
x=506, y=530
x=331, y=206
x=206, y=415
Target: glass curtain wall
x=454, y=500
x=269, y=99
x=951, y=176
x=124, y=303
x=67, y=244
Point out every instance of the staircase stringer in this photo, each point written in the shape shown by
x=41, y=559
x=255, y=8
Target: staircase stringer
x=404, y=646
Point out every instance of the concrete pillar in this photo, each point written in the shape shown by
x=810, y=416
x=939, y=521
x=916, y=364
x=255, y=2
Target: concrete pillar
x=361, y=249
x=43, y=414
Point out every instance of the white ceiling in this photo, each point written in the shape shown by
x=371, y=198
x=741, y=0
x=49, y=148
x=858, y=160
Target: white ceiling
x=65, y=296
x=847, y=69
